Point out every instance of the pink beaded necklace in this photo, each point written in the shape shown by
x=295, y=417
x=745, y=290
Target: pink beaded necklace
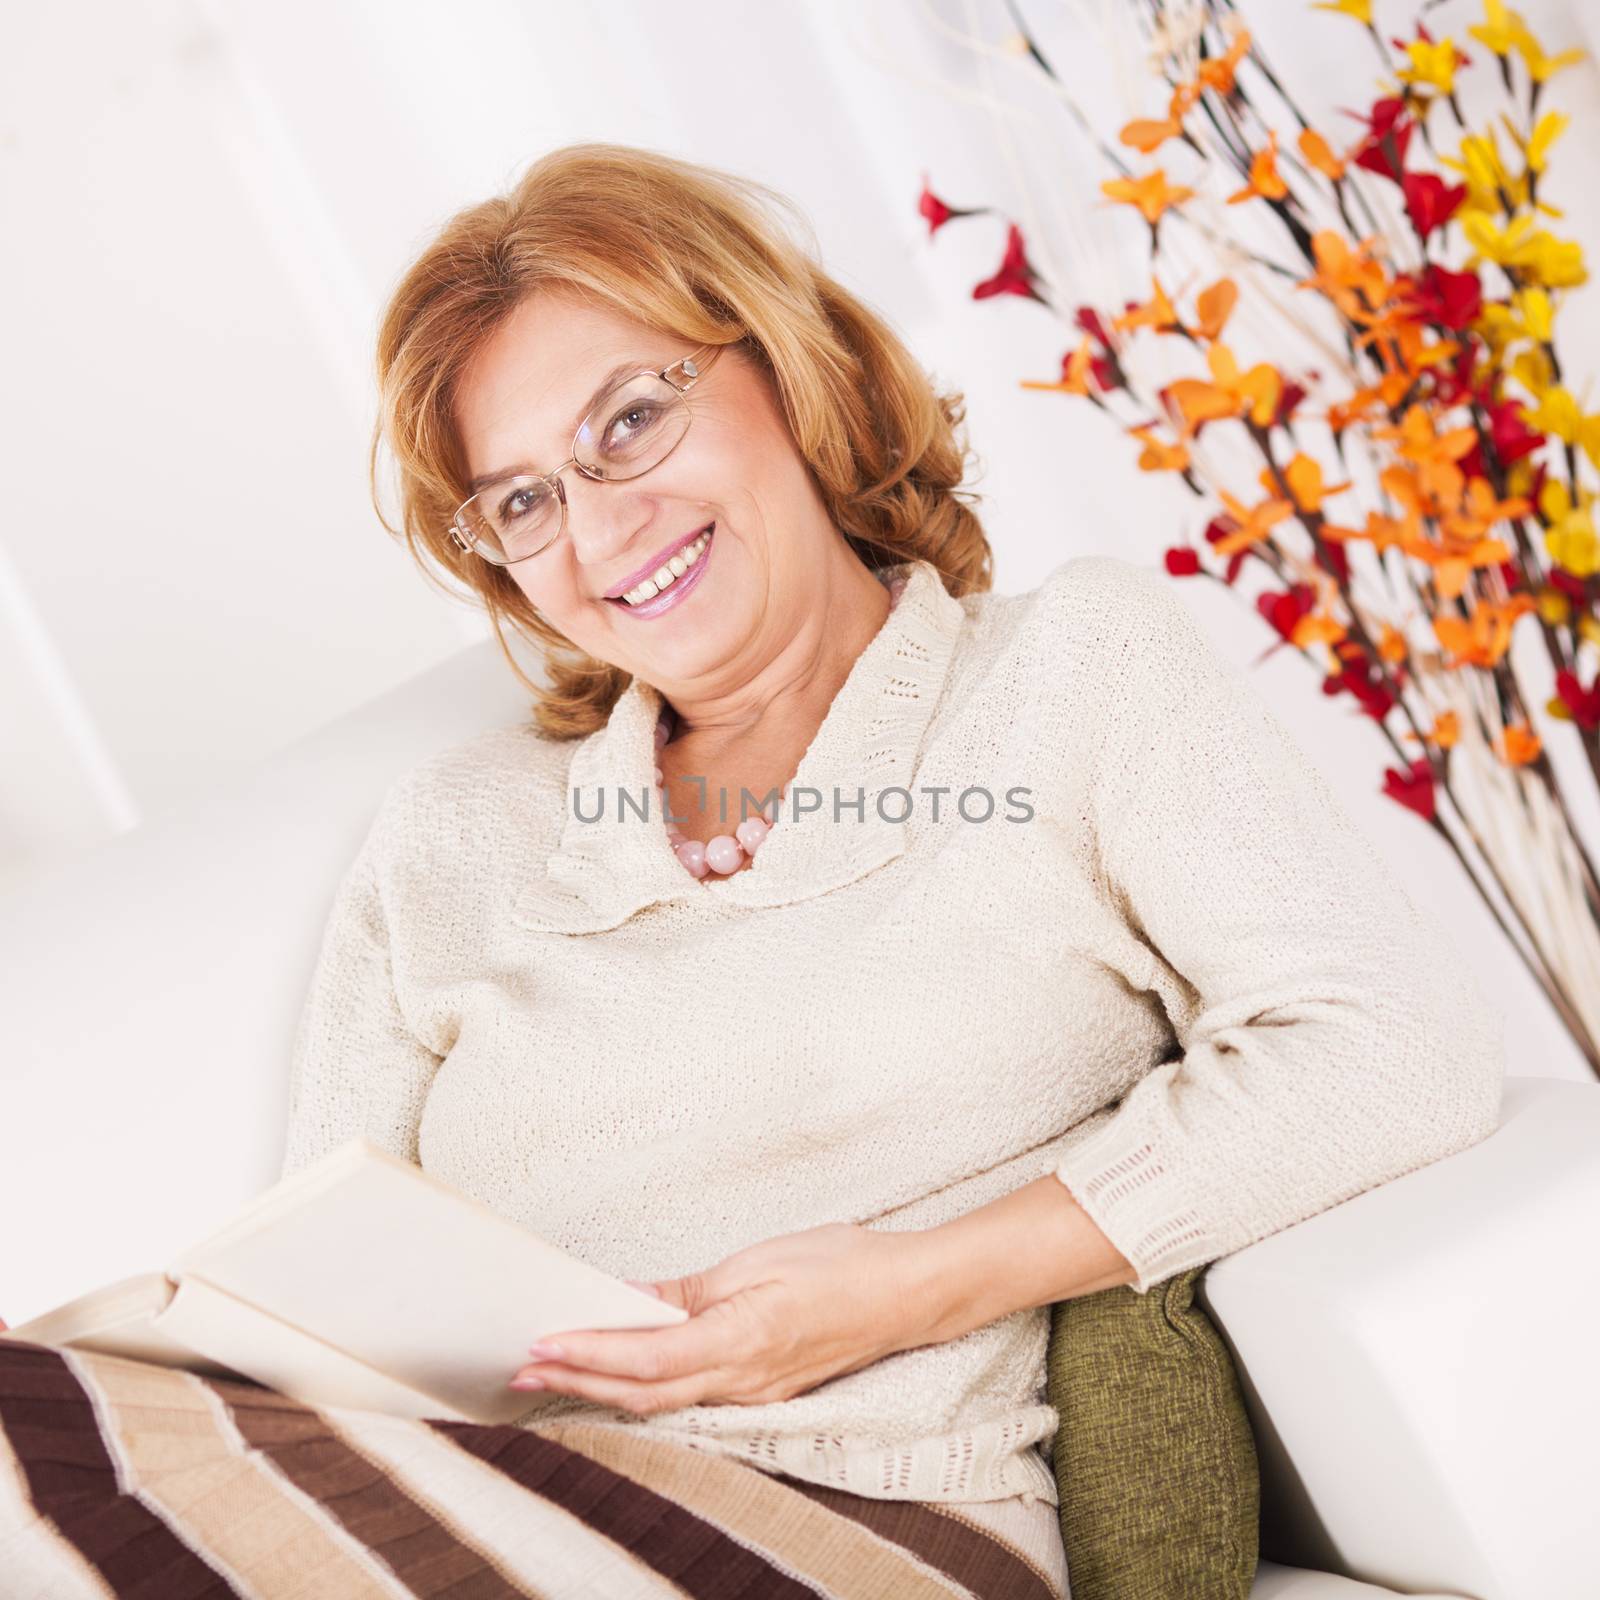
x=727, y=852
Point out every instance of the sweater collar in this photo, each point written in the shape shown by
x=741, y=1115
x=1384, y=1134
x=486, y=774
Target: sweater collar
x=603, y=871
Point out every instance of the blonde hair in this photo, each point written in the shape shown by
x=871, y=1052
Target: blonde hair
x=689, y=250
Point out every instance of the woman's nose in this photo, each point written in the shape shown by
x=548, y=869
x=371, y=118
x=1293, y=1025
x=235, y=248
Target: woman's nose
x=603, y=520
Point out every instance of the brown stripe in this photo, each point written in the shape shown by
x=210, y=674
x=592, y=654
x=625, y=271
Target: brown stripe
x=685, y=1549
x=52, y=1426
x=992, y=1570
x=174, y=1447
x=757, y=1507
x=426, y=1555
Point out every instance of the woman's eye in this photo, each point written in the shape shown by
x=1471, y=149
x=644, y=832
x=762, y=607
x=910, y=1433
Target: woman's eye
x=627, y=425
x=515, y=504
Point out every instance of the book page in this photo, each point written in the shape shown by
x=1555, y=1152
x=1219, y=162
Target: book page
x=242, y=1338
x=118, y=1319
x=368, y=1254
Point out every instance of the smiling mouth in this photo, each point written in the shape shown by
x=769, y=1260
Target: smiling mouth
x=675, y=567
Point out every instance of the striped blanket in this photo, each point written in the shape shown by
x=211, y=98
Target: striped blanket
x=122, y=1478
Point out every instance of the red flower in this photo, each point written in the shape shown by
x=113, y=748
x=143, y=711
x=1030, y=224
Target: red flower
x=1289, y=397
x=1284, y=611
x=1569, y=583
x=1430, y=203
x=1219, y=528
x=1361, y=679
x=1413, y=789
x=929, y=205
x=1512, y=437
x=1087, y=318
x=1015, y=275
x=1584, y=704
x=1388, y=133
x=1439, y=295
x=1182, y=561
x=1453, y=383
x=1339, y=560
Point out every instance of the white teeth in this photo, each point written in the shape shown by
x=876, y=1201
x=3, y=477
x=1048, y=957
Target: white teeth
x=668, y=572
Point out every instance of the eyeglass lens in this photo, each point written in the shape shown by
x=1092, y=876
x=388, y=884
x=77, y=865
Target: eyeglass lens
x=628, y=432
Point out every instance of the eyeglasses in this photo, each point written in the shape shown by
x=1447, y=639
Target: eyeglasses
x=633, y=427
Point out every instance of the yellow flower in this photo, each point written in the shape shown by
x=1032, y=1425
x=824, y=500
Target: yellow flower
x=1533, y=370
x=1541, y=68
x=1573, y=545
x=1546, y=131
x=1554, y=607
x=1557, y=413
x=1433, y=65
x=1589, y=438
x=1484, y=172
x=1570, y=537
x=1556, y=263
x=1497, y=327
x=1506, y=247
x=1533, y=306
x=1499, y=31
x=1534, y=254
x=1361, y=10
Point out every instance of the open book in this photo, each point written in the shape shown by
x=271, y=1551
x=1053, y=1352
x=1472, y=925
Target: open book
x=359, y=1281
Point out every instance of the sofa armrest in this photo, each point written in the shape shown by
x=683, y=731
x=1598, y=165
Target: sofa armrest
x=1418, y=1364
x=1297, y=1583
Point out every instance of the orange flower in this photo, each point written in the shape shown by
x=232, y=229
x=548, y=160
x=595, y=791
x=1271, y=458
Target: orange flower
x=1157, y=312
x=1146, y=134
x=1382, y=532
x=1392, y=646
x=1410, y=342
x=1446, y=729
x=1157, y=455
x=1218, y=73
x=1076, y=372
x=1230, y=393
x=1453, y=567
x=1520, y=745
x=1401, y=483
x=1265, y=179
x=1345, y=413
x=1482, y=639
x=1251, y=522
x=1435, y=455
x=1351, y=279
x=1304, y=477
x=1319, y=153
x=1479, y=511
x=1214, y=307
x=1152, y=195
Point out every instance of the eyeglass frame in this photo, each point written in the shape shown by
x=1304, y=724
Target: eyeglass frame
x=460, y=536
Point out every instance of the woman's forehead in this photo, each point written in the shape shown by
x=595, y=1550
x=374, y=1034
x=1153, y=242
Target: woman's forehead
x=530, y=383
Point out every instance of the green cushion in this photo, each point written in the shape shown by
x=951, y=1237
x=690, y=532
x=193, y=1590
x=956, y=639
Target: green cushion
x=1154, y=1459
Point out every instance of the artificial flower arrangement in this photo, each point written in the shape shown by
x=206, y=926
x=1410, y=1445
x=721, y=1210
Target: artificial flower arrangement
x=1419, y=495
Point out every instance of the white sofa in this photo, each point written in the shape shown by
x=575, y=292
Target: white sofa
x=1418, y=1362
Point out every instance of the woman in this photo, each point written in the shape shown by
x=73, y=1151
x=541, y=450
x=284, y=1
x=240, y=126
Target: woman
x=1048, y=963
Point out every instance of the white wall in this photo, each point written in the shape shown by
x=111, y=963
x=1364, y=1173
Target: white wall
x=207, y=203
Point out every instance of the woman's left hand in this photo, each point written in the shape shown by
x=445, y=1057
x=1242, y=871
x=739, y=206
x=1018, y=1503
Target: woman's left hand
x=767, y=1323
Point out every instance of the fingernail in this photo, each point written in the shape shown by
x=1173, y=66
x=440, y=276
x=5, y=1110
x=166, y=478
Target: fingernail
x=527, y=1383
x=545, y=1351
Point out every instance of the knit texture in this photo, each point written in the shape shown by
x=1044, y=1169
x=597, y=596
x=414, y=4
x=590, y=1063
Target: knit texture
x=1186, y=986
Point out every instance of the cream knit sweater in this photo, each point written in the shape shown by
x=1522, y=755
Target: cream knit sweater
x=1185, y=985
